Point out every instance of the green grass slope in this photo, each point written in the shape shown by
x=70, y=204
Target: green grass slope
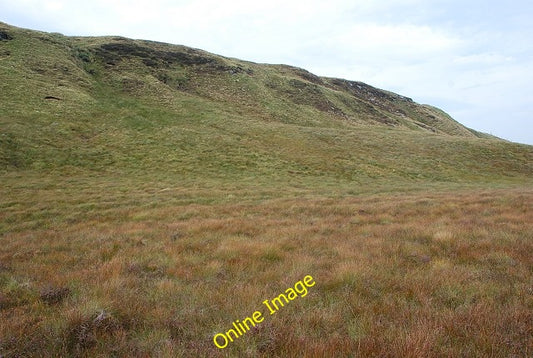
x=118, y=105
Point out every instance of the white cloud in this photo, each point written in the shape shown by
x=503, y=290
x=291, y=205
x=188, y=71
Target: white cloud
x=53, y=5
x=482, y=59
x=386, y=43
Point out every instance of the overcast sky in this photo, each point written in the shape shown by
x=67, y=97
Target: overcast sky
x=473, y=59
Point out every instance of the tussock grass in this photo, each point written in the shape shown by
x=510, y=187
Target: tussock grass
x=416, y=274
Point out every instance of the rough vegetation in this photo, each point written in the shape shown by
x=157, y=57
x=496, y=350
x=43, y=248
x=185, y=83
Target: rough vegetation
x=152, y=194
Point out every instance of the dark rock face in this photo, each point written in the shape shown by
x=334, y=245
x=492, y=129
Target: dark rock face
x=113, y=52
x=360, y=89
x=309, y=93
x=308, y=76
x=4, y=36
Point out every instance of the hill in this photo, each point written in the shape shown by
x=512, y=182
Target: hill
x=152, y=195
x=117, y=104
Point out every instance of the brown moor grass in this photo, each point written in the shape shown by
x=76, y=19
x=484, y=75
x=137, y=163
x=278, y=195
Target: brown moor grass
x=426, y=274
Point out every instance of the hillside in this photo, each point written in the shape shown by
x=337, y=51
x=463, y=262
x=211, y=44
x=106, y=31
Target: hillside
x=152, y=195
x=119, y=104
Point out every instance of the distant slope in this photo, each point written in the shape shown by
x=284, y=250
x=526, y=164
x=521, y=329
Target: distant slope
x=111, y=103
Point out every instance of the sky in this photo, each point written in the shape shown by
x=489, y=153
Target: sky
x=471, y=58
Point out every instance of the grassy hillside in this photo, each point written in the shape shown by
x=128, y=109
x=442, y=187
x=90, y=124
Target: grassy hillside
x=152, y=194
x=100, y=104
